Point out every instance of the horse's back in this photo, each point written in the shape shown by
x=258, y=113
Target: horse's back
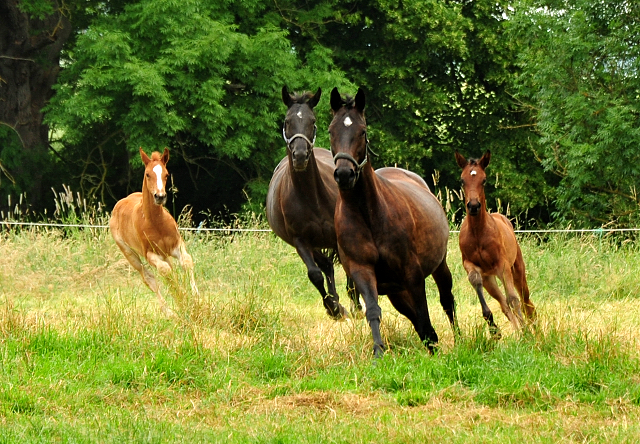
x=402, y=175
x=422, y=216
x=508, y=235
x=416, y=190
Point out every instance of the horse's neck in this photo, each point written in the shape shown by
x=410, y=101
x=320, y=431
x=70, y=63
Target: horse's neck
x=478, y=224
x=150, y=210
x=308, y=181
x=365, y=195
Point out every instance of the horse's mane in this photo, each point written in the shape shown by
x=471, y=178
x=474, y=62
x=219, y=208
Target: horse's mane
x=349, y=101
x=156, y=155
x=301, y=99
x=474, y=161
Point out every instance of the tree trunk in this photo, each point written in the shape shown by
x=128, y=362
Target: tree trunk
x=29, y=64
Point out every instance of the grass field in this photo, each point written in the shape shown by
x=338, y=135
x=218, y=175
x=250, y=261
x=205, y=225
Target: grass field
x=87, y=356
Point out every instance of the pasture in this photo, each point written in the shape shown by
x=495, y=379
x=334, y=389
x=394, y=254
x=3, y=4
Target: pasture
x=87, y=356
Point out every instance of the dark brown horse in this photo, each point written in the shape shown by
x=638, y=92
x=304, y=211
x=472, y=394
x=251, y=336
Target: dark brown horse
x=302, y=198
x=392, y=231
x=489, y=248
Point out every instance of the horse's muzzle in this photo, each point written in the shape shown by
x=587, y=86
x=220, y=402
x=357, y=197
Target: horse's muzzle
x=300, y=157
x=160, y=199
x=345, y=177
x=473, y=207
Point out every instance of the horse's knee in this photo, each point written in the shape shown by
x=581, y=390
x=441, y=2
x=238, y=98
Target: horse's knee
x=475, y=279
x=373, y=313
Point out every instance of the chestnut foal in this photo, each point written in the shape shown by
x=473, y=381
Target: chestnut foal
x=143, y=228
x=489, y=248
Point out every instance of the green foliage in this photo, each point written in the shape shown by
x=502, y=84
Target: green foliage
x=434, y=74
x=578, y=82
x=187, y=76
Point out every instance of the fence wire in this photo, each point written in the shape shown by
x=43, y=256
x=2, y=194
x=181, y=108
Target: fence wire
x=266, y=230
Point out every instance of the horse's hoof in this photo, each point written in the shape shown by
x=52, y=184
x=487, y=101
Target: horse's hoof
x=341, y=314
x=495, y=334
x=378, y=351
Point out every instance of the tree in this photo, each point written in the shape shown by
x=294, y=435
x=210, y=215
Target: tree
x=436, y=75
x=32, y=34
x=578, y=83
x=190, y=75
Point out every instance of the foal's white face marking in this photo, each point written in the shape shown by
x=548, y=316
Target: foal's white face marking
x=473, y=172
x=347, y=121
x=158, y=170
x=299, y=114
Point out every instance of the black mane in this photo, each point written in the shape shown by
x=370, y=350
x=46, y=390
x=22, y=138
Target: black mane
x=301, y=99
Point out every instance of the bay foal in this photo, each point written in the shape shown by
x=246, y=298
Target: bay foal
x=144, y=229
x=489, y=249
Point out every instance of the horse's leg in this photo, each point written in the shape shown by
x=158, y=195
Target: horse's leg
x=316, y=277
x=186, y=262
x=414, y=306
x=491, y=285
x=326, y=266
x=365, y=281
x=475, y=279
x=520, y=282
x=444, y=282
x=132, y=257
x=354, y=296
x=164, y=268
x=513, y=298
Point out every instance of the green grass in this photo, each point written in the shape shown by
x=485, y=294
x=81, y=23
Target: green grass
x=86, y=355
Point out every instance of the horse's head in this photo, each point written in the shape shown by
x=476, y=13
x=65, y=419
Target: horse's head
x=473, y=179
x=349, y=142
x=299, y=130
x=155, y=175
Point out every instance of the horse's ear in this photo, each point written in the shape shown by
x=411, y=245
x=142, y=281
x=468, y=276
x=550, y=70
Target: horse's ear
x=360, y=100
x=144, y=157
x=462, y=162
x=484, y=160
x=336, y=100
x=165, y=155
x=313, y=101
x=286, y=97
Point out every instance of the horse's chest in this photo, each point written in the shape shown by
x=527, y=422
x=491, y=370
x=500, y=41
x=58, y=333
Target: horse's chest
x=487, y=257
x=162, y=241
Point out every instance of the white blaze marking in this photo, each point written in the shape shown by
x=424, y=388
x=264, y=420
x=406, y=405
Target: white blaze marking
x=299, y=114
x=158, y=170
x=474, y=172
x=347, y=121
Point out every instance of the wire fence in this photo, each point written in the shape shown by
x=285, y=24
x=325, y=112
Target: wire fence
x=600, y=231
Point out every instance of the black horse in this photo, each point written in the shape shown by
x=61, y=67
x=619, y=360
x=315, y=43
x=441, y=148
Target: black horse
x=302, y=198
